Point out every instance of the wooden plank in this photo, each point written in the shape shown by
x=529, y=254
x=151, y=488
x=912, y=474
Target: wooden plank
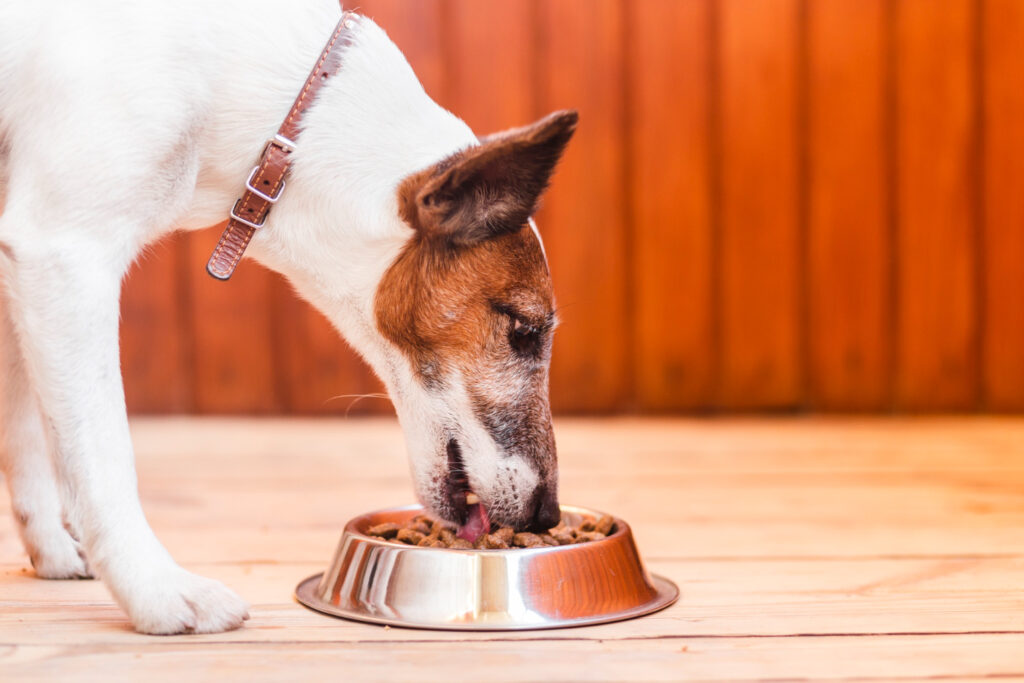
x=1003, y=206
x=583, y=220
x=234, y=330
x=759, y=259
x=764, y=598
x=489, y=63
x=878, y=658
x=848, y=284
x=836, y=444
x=670, y=181
x=796, y=515
x=156, y=340
x=936, y=356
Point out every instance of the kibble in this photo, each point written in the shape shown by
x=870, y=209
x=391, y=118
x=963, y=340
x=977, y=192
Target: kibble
x=493, y=542
x=409, y=535
x=386, y=530
x=425, y=532
x=505, y=533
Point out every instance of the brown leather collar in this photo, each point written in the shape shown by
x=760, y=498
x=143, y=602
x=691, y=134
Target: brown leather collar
x=266, y=181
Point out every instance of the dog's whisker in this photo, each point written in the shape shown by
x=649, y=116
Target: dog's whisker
x=356, y=396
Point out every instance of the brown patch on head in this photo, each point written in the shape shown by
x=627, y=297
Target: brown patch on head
x=472, y=281
x=470, y=295
x=462, y=307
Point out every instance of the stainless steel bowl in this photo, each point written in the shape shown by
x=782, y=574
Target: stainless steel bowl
x=527, y=588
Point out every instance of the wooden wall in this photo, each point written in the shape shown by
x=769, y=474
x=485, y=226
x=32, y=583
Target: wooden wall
x=770, y=204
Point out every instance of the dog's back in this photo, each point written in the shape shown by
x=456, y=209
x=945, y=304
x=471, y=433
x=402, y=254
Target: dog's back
x=136, y=91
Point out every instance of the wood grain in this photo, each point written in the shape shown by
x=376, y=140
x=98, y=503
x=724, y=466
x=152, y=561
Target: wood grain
x=490, y=61
x=1003, y=272
x=848, y=286
x=583, y=217
x=936, y=363
x=234, y=326
x=907, y=564
x=156, y=340
x=671, y=197
x=759, y=260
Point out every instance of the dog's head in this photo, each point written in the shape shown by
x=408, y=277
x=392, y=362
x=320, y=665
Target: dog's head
x=468, y=305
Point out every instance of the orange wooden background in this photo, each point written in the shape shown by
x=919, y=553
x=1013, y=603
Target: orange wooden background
x=770, y=204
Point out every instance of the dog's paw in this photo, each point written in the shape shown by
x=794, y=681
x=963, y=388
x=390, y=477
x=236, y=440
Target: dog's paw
x=57, y=555
x=181, y=602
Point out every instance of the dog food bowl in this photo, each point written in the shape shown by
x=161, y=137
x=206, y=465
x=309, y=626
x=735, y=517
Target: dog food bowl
x=381, y=582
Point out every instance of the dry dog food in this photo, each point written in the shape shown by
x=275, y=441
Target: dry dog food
x=422, y=530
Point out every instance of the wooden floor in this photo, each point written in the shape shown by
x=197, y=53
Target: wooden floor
x=805, y=548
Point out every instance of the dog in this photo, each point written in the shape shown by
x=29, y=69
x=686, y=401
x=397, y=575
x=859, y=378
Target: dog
x=123, y=121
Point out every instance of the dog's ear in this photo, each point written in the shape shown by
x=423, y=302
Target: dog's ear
x=488, y=189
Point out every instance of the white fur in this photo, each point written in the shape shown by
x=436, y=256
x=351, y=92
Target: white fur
x=121, y=121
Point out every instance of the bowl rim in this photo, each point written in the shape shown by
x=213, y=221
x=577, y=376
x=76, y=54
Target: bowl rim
x=667, y=593
x=621, y=529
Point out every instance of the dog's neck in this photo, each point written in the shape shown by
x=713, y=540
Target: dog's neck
x=337, y=227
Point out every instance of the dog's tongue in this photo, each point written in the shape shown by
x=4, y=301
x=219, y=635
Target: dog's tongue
x=477, y=523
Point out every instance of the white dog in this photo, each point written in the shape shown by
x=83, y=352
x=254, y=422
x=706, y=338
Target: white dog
x=123, y=120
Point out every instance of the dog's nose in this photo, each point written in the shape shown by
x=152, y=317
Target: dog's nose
x=546, y=512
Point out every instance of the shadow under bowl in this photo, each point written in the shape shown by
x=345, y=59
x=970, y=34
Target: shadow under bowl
x=378, y=581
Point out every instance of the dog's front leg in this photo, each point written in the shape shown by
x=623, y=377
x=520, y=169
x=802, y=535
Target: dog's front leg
x=65, y=305
x=25, y=457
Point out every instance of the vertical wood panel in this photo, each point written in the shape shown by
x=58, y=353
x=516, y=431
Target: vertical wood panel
x=321, y=374
x=670, y=135
x=234, y=332
x=490, y=48
x=1004, y=205
x=760, y=264
x=581, y=67
x=848, y=286
x=155, y=337
x=936, y=354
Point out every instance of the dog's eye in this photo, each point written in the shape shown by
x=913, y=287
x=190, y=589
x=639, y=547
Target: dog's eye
x=525, y=338
x=521, y=329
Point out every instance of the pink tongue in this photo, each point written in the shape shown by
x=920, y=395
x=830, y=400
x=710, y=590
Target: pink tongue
x=477, y=524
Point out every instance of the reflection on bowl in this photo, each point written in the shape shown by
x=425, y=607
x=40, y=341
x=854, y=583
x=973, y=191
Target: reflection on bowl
x=374, y=580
